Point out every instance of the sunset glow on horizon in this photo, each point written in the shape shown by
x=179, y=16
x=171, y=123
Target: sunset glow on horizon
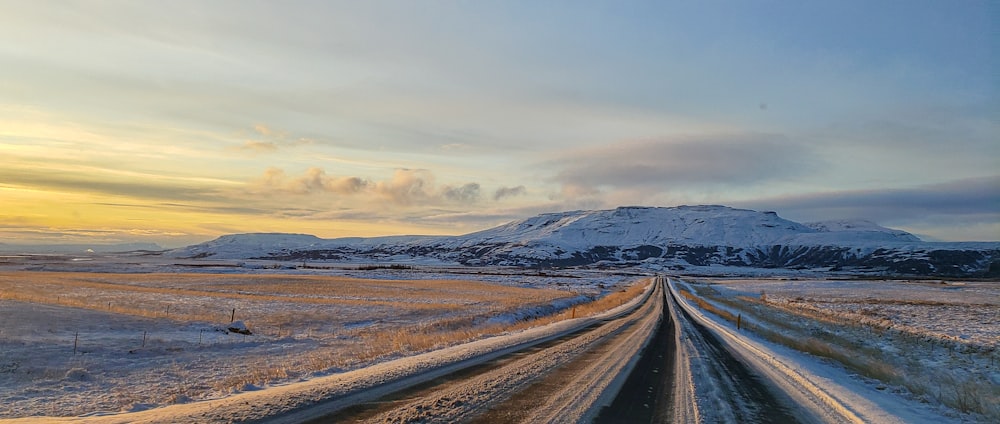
x=141, y=121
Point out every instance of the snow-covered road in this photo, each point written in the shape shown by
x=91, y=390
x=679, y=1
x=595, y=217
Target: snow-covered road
x=802, y=388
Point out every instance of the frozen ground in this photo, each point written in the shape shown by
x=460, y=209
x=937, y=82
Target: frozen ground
x=85, y=343
x=582, y=280
x=109, y=333
x=965, y=312
x=935, y=343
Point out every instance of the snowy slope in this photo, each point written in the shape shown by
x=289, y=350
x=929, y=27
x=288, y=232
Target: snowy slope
x=688, y=225
x=861, y=230
x=566, y=231
x=240, y=246
x=677, y=237
x=701, y=225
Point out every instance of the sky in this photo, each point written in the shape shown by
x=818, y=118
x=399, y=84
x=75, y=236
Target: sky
x=176, y=122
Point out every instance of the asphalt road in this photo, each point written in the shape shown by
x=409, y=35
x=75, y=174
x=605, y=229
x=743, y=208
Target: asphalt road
x=645, y=397
x=510, y=388
x=747, y=396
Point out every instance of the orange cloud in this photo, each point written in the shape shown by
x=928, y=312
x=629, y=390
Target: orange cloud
x=405, y=187
x=258, y=146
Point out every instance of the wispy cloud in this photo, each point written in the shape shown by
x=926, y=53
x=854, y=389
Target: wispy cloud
x=258, y=146
x=150, y=187
x=944, y=208
x=505, y=192
x=265, y=139
x=263, y=130
x=70, y=235
x=314, y=180
x=971, y=196
x=454, y=147
x=468, y=193
x=658, y=165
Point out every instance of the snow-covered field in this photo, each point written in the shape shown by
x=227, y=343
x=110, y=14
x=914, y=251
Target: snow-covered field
x=84, y=343
x=937, y=343
x=966, y=312
x=97, y=335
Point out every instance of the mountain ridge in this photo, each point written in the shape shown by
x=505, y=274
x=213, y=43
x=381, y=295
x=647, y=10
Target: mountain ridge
x=675, y=238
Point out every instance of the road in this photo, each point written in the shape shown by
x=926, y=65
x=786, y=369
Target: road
x=744, y=395
x=563, y=379
x=647, y=395
x=654, y=359
x=619, y=370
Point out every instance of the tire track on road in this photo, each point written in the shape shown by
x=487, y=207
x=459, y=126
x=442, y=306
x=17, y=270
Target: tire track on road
x=647, y=395
x=750, y=399
x=462, y=396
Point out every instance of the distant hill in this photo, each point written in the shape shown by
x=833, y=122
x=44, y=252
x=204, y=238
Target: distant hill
x=677, y=238
x=78, y=248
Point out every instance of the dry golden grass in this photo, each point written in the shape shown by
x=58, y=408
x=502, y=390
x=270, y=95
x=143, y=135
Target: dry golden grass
x=200, y=297
x=708, y=306
x=818, y=343
x=448, y=332
x=406, y=316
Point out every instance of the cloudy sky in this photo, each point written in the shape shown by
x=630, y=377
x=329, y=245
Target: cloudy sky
x=176, y=122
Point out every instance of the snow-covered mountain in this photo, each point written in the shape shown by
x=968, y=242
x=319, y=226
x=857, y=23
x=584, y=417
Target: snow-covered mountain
x=241, y=246
x=692, y=225
x=673, y=238
x=863, y=230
